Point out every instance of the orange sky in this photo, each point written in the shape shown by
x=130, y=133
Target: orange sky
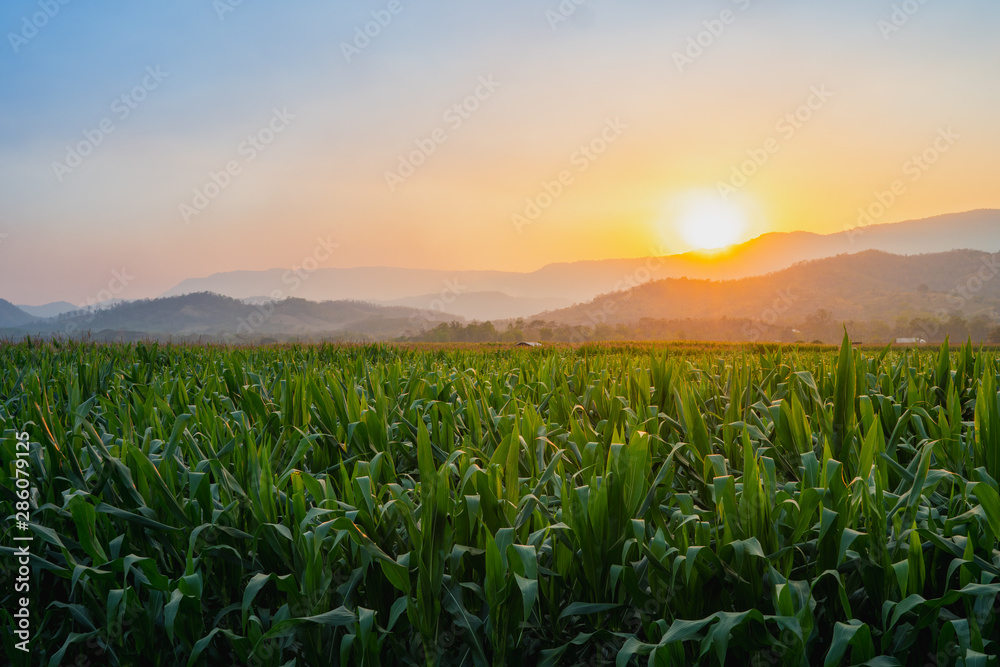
x=534, y=93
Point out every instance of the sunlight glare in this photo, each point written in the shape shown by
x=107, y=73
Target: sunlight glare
x=708, y=223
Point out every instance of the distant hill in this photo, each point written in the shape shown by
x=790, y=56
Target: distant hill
x=224, y=318
x=50, y=309
x=577, y=282
x=12, y=316
x=871, y=285
x=482, y=306
x=878, y=273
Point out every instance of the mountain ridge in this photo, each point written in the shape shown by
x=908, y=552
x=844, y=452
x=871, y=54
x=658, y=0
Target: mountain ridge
x=224, y=318
x=12, y=316
x=870, y=285
x=583, y=280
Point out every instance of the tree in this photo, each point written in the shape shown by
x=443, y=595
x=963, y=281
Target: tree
x=821, y=319
x=979, y=328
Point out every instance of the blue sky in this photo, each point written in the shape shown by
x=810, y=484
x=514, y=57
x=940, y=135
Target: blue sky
x=324, y=173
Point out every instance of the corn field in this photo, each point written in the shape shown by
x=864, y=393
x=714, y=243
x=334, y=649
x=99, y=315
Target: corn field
x=379, y=505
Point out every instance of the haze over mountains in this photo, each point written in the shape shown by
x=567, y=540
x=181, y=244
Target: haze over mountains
x=53, y=309
x=870, y=285
x=214, y=317
x=499, y=294
x=12, y=316
x=880, y=272
x=481, y=306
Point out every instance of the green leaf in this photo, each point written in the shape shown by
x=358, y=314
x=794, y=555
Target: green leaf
x=585, y=609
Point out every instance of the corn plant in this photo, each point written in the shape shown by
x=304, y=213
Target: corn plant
x=605, y=504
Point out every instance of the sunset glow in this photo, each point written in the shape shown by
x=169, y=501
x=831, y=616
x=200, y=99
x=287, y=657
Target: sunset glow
x=516, y=141
x=566, y=327
x=708, y=224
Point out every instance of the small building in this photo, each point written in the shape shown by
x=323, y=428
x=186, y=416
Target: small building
x=525, y=343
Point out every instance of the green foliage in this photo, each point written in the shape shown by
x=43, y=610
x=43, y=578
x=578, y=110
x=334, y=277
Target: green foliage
x=598, y=505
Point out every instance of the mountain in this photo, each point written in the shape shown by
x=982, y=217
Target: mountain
x=575, y=282
x=53, y=309
x=482, y=306
x=974, y=230
x=870, y=285
x=224, y=318
x=12, y=316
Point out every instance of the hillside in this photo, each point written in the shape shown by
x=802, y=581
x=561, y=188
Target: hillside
x=871, y=285
x=211, y=315
x=12, y=316
x=49, y=309
x=482, y=306
x=576, y=282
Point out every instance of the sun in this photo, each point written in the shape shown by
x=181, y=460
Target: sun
x=709, y=223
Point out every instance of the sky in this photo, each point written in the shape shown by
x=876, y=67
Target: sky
x=145, y=143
